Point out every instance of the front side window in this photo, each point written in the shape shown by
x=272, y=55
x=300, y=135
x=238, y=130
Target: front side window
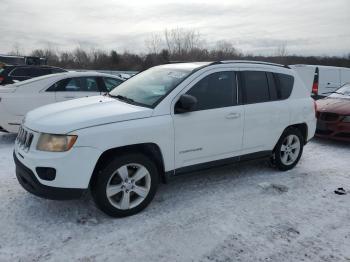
x=82, y=84
x=111, y=83
x=255, y=87
x=151, y=86
x=215, y=91
x=76, y=84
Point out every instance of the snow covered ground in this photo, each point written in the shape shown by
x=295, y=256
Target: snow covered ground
x=235, y=213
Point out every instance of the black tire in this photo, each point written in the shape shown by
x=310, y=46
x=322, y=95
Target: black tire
x=276, y=160
x=103, y=178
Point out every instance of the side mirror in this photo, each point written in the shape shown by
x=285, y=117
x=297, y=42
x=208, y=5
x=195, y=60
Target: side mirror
x=185, y=104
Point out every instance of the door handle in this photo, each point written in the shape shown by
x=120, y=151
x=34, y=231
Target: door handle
x=233, y=116
x=69, y=97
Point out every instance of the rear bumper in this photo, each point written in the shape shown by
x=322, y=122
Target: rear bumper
x=30, y=183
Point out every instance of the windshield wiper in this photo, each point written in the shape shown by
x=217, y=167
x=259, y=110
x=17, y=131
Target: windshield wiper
x=123, y=98
x=333, y=92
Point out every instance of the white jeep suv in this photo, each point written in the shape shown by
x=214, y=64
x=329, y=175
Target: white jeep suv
x=165, y=121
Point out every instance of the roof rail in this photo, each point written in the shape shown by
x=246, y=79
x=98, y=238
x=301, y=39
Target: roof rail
x=250, y=62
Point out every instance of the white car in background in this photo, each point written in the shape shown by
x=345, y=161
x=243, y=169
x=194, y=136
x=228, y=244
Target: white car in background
x=18, y=99
x=322, y=80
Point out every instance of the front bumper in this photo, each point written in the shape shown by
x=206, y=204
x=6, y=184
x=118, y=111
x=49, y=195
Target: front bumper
x=337, y=130
x=30, y=183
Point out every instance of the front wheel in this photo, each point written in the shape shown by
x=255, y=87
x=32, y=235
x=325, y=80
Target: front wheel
x=288, y=149
x=126, y=185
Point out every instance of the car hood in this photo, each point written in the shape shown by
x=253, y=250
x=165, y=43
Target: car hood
x=65, y=117
x=334, y=105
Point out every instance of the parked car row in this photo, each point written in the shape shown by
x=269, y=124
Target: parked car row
x=19, y=98
x=165, y=121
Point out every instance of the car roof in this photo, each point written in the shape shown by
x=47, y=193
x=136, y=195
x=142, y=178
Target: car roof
x=194, y=66
x=64, y=75
x=35, y=66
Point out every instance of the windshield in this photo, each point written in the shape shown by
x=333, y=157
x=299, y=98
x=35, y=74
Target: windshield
x=151, y=86
x=343, y=92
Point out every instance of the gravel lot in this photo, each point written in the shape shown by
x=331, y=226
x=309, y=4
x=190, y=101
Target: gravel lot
x=248, y=212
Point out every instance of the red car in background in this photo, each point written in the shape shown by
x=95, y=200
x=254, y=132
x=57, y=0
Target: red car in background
x=333, y=115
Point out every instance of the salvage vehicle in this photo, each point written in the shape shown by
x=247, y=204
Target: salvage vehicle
x=168, y=120
x=19, y=98
x=333, y=115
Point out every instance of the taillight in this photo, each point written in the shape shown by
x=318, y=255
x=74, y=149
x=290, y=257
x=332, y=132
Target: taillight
x=2, y=79
x=315, y=88
x=315, y=83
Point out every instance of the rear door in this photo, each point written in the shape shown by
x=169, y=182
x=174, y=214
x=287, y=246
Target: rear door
x=329, y=80
x=77, y=87
x=266, y=115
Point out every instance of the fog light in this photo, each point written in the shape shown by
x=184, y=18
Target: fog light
x=46, y=173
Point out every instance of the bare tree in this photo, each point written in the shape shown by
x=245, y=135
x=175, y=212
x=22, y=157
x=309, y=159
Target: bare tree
x=180, y=41
x=225, y=50
x=154, y=43
x=16, y=50
x=281, y=50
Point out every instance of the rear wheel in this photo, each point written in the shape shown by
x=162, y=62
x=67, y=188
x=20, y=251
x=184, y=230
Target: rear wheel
x=288, y=149
x=126, y=185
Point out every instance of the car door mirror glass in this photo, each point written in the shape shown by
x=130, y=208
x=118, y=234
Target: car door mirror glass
x=186, y=103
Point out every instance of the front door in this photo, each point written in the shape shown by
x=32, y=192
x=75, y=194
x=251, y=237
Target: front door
x=214, y=130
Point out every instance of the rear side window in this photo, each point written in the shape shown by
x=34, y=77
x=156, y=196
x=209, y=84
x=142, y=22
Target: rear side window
x=255, y=87
x=77, y=84
x=215, y=91
x=284, y=85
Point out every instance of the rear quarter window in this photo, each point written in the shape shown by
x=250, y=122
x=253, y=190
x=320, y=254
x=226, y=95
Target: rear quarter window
x=284, y=85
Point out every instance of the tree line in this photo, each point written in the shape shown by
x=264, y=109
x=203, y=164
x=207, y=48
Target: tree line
x=176, y=45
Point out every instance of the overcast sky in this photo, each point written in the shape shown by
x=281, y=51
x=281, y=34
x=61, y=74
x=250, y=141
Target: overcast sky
x=307, y=27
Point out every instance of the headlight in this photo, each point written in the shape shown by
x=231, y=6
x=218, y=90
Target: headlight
x=55, y=143
x=346, y=119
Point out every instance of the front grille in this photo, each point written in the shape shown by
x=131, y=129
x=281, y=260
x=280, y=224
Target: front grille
x=24, y=138
x=329, y=117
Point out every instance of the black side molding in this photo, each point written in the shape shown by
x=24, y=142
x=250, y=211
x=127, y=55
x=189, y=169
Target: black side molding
x=222, y=162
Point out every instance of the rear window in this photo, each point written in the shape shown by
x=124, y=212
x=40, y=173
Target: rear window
x=284, y=85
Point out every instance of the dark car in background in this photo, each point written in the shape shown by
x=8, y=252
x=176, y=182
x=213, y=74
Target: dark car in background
x=333, y=115
x=10, y=74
